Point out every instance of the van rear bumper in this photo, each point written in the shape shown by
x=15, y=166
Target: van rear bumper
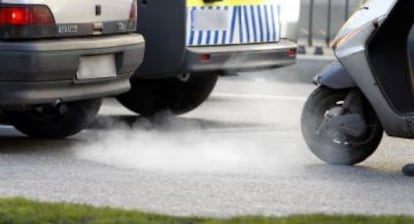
x=240, y=57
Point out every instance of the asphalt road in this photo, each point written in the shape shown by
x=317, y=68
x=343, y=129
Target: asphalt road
x=241, y=153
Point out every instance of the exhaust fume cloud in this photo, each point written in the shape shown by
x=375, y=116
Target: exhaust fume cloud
x=189, y=144
x=226, y=135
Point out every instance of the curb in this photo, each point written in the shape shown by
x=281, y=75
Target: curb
x=316, y=50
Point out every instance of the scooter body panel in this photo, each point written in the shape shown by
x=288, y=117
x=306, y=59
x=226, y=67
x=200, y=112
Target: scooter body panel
x=353, y=55
x=373, y=9
x=393, y=123
x=335, y=76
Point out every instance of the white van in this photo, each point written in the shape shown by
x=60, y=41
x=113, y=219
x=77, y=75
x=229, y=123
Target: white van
x=59, y=57
x=189, y=43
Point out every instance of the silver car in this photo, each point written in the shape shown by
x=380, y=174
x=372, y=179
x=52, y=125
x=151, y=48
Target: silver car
x=59, y=57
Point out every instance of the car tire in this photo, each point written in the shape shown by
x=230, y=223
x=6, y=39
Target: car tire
x=54, y=121
x=326, y=145
x=149, y=97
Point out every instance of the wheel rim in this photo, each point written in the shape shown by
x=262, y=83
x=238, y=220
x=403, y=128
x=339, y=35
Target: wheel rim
x=334, y=104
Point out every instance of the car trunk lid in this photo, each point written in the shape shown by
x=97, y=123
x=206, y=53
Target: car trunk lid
x=86, y=17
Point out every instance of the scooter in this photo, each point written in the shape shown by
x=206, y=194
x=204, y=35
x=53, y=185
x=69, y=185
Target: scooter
x=369, y=89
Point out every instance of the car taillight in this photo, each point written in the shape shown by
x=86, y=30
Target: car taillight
x=26, y=15
x=26, y=21
x=133, y=16
x=292, y=52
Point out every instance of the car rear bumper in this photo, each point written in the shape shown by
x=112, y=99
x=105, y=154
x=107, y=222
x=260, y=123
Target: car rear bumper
x=23, y=94
x=46, y=71
x=240, y=57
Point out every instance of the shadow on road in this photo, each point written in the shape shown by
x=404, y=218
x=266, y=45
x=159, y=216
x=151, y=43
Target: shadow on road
x=168, y=123
x=346, y=174
x=27, y=146
x=14, y=142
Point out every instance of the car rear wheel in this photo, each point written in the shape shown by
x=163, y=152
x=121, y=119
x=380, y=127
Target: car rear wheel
x=177, y=95
x=54, y=121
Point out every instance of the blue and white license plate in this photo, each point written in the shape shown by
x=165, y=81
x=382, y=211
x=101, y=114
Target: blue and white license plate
x=233, y=24
x=204, y=20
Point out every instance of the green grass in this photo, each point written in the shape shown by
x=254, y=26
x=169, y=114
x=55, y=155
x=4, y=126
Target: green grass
x=21, y=211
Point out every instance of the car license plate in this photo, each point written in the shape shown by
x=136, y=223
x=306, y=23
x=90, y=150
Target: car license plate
x=95, y=67
x=210, y=19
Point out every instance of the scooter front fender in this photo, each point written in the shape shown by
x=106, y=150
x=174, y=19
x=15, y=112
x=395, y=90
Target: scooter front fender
x=335, y=76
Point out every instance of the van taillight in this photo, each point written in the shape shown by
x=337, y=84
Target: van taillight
x=292, y=52
x=26, y=21
x=133, y=16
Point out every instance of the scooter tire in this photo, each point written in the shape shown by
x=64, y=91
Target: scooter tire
x=319, y=102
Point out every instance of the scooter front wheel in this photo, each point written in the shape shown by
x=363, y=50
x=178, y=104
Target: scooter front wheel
x=323, y=119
